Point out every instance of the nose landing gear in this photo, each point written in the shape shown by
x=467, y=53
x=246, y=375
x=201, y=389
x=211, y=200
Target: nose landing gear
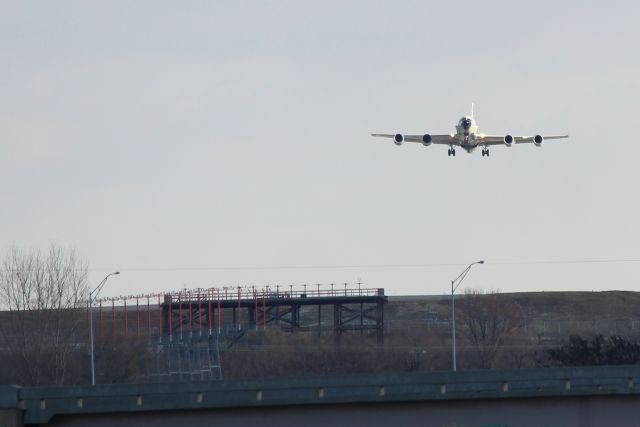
x=451, y=152
x=485, y=152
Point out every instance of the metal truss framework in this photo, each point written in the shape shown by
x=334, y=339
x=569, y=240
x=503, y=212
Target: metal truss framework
x=197, y=314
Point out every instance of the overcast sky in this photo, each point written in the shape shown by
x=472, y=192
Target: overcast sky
x=169, y=140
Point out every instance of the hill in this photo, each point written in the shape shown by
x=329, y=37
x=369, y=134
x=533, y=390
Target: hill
x=545, y=313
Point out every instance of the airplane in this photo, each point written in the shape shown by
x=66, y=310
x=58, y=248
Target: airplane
x=468, y=138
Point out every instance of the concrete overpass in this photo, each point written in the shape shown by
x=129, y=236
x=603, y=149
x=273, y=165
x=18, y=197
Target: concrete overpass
x=590, y=396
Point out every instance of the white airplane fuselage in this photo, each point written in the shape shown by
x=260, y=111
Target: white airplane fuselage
x=466, y=132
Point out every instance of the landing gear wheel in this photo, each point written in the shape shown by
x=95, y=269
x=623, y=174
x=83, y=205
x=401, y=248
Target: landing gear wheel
x=453, y=152
x=449, y=152
x=487, y=152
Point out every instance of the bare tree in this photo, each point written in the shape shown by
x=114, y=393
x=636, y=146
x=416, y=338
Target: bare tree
x=43, y=293
x=488, y=322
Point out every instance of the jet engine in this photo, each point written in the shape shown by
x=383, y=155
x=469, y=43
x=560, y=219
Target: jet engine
x=537, y=140
x=427, y=140
x=398, y=139
x=508, y=140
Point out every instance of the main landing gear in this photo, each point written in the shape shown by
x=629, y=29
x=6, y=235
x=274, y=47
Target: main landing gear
x=485, y=152
x=451, y=152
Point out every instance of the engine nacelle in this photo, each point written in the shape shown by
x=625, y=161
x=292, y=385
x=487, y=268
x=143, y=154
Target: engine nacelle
x=508, y=140
x=398, y=139
x=538, y=140
x=427, y=140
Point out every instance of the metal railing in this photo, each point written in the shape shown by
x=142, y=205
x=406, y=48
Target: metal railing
x=243, y=293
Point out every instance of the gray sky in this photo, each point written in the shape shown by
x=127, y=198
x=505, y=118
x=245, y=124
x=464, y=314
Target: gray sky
x=164, y=138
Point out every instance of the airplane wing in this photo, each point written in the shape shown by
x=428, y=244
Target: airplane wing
x=499, y=140
x=435, y=139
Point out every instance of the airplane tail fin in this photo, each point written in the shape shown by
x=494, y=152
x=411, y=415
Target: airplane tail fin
x=472, y=110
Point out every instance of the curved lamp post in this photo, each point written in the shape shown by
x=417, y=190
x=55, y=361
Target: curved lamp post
x=454, y=285
x=92, y=296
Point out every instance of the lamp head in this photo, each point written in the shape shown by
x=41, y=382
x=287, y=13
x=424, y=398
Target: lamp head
x=481, y=262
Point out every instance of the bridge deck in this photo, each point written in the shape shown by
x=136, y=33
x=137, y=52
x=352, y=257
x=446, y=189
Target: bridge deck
x=40, y=404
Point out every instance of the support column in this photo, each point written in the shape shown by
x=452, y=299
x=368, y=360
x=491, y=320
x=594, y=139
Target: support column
x=165, y=319
x=253, y=315
x=380, y=324
x=233, y=317
x=337, y=320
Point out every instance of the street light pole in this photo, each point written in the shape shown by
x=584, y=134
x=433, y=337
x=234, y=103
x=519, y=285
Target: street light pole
x=92, y=295
x=459, y=280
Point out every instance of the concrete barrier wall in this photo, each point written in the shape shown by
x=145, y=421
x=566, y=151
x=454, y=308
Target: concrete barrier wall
x=448, y=398
x=567, y=411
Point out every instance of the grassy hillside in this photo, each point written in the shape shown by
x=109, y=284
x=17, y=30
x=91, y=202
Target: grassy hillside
x=612, y=303
x=562, y=307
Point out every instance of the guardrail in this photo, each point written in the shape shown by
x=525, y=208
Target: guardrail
x=40, y=404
